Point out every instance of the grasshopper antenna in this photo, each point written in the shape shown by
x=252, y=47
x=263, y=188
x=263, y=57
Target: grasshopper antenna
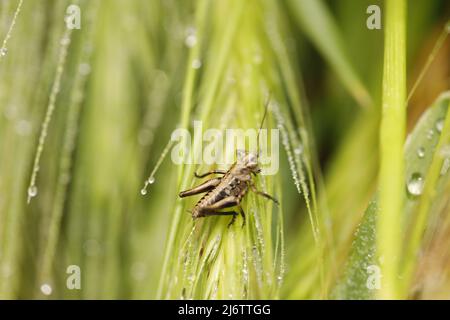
x=266, y=107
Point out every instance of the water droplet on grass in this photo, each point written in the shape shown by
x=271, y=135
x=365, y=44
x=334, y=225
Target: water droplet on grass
x=298, y=150
x=440, y=125
x=84, y=69
x=23, y=127
x=3, y=52
x=196, y=64
x=421, y=152
x=151, y=178
x=65, y=41
x=191, y=40
x=46, y=289
x=32, y=191
x=415, y=184
x=191, y=37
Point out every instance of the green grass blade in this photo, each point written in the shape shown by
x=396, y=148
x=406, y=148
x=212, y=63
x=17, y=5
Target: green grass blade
x=392, y=131
x=319, y=25
x=353, y=283
x=433, y=189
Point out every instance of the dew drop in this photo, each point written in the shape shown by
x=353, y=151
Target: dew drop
x=144, y=191
x=23, y=127
x=151, y=180
x=191, y=40
x=3, y=52
x=32, y=191
x=430, y=134
x=65, y=41
x=415, y=184
x=196, y=64
x=298, y=150
x=46, y=289
x=191, y=37
x=84, y=69
x=421, y=152
x=440, y=125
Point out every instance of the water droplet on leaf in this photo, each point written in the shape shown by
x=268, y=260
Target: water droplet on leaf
x=3, y=52
x=440, y=125
x=84, y=69
x=151, y=180
x=196, y=64
x=421, y=152
x=415, y=184
x=32, y=191
x=191, y=37
x=65, y=41
x=298, y=150
x=191, y=40
x=46, y=289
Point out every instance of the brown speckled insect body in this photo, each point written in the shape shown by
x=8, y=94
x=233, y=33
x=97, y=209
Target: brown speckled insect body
x=229, y=190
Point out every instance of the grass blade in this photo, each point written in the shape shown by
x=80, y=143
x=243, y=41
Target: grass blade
x=318, y=24
x=392, y=131
x=353, y=283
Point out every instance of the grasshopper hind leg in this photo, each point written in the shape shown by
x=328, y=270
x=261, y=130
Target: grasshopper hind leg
x=213, y=210
x=243, y=215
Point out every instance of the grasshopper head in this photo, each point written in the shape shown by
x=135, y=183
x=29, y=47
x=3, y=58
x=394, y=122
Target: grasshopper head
x=249, y=161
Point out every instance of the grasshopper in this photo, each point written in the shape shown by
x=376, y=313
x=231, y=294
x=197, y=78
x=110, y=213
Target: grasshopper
x=228, y=190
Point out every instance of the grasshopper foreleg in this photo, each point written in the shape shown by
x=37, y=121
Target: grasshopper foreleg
x=209, y=173
x=204, y=187
x=263, y=194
